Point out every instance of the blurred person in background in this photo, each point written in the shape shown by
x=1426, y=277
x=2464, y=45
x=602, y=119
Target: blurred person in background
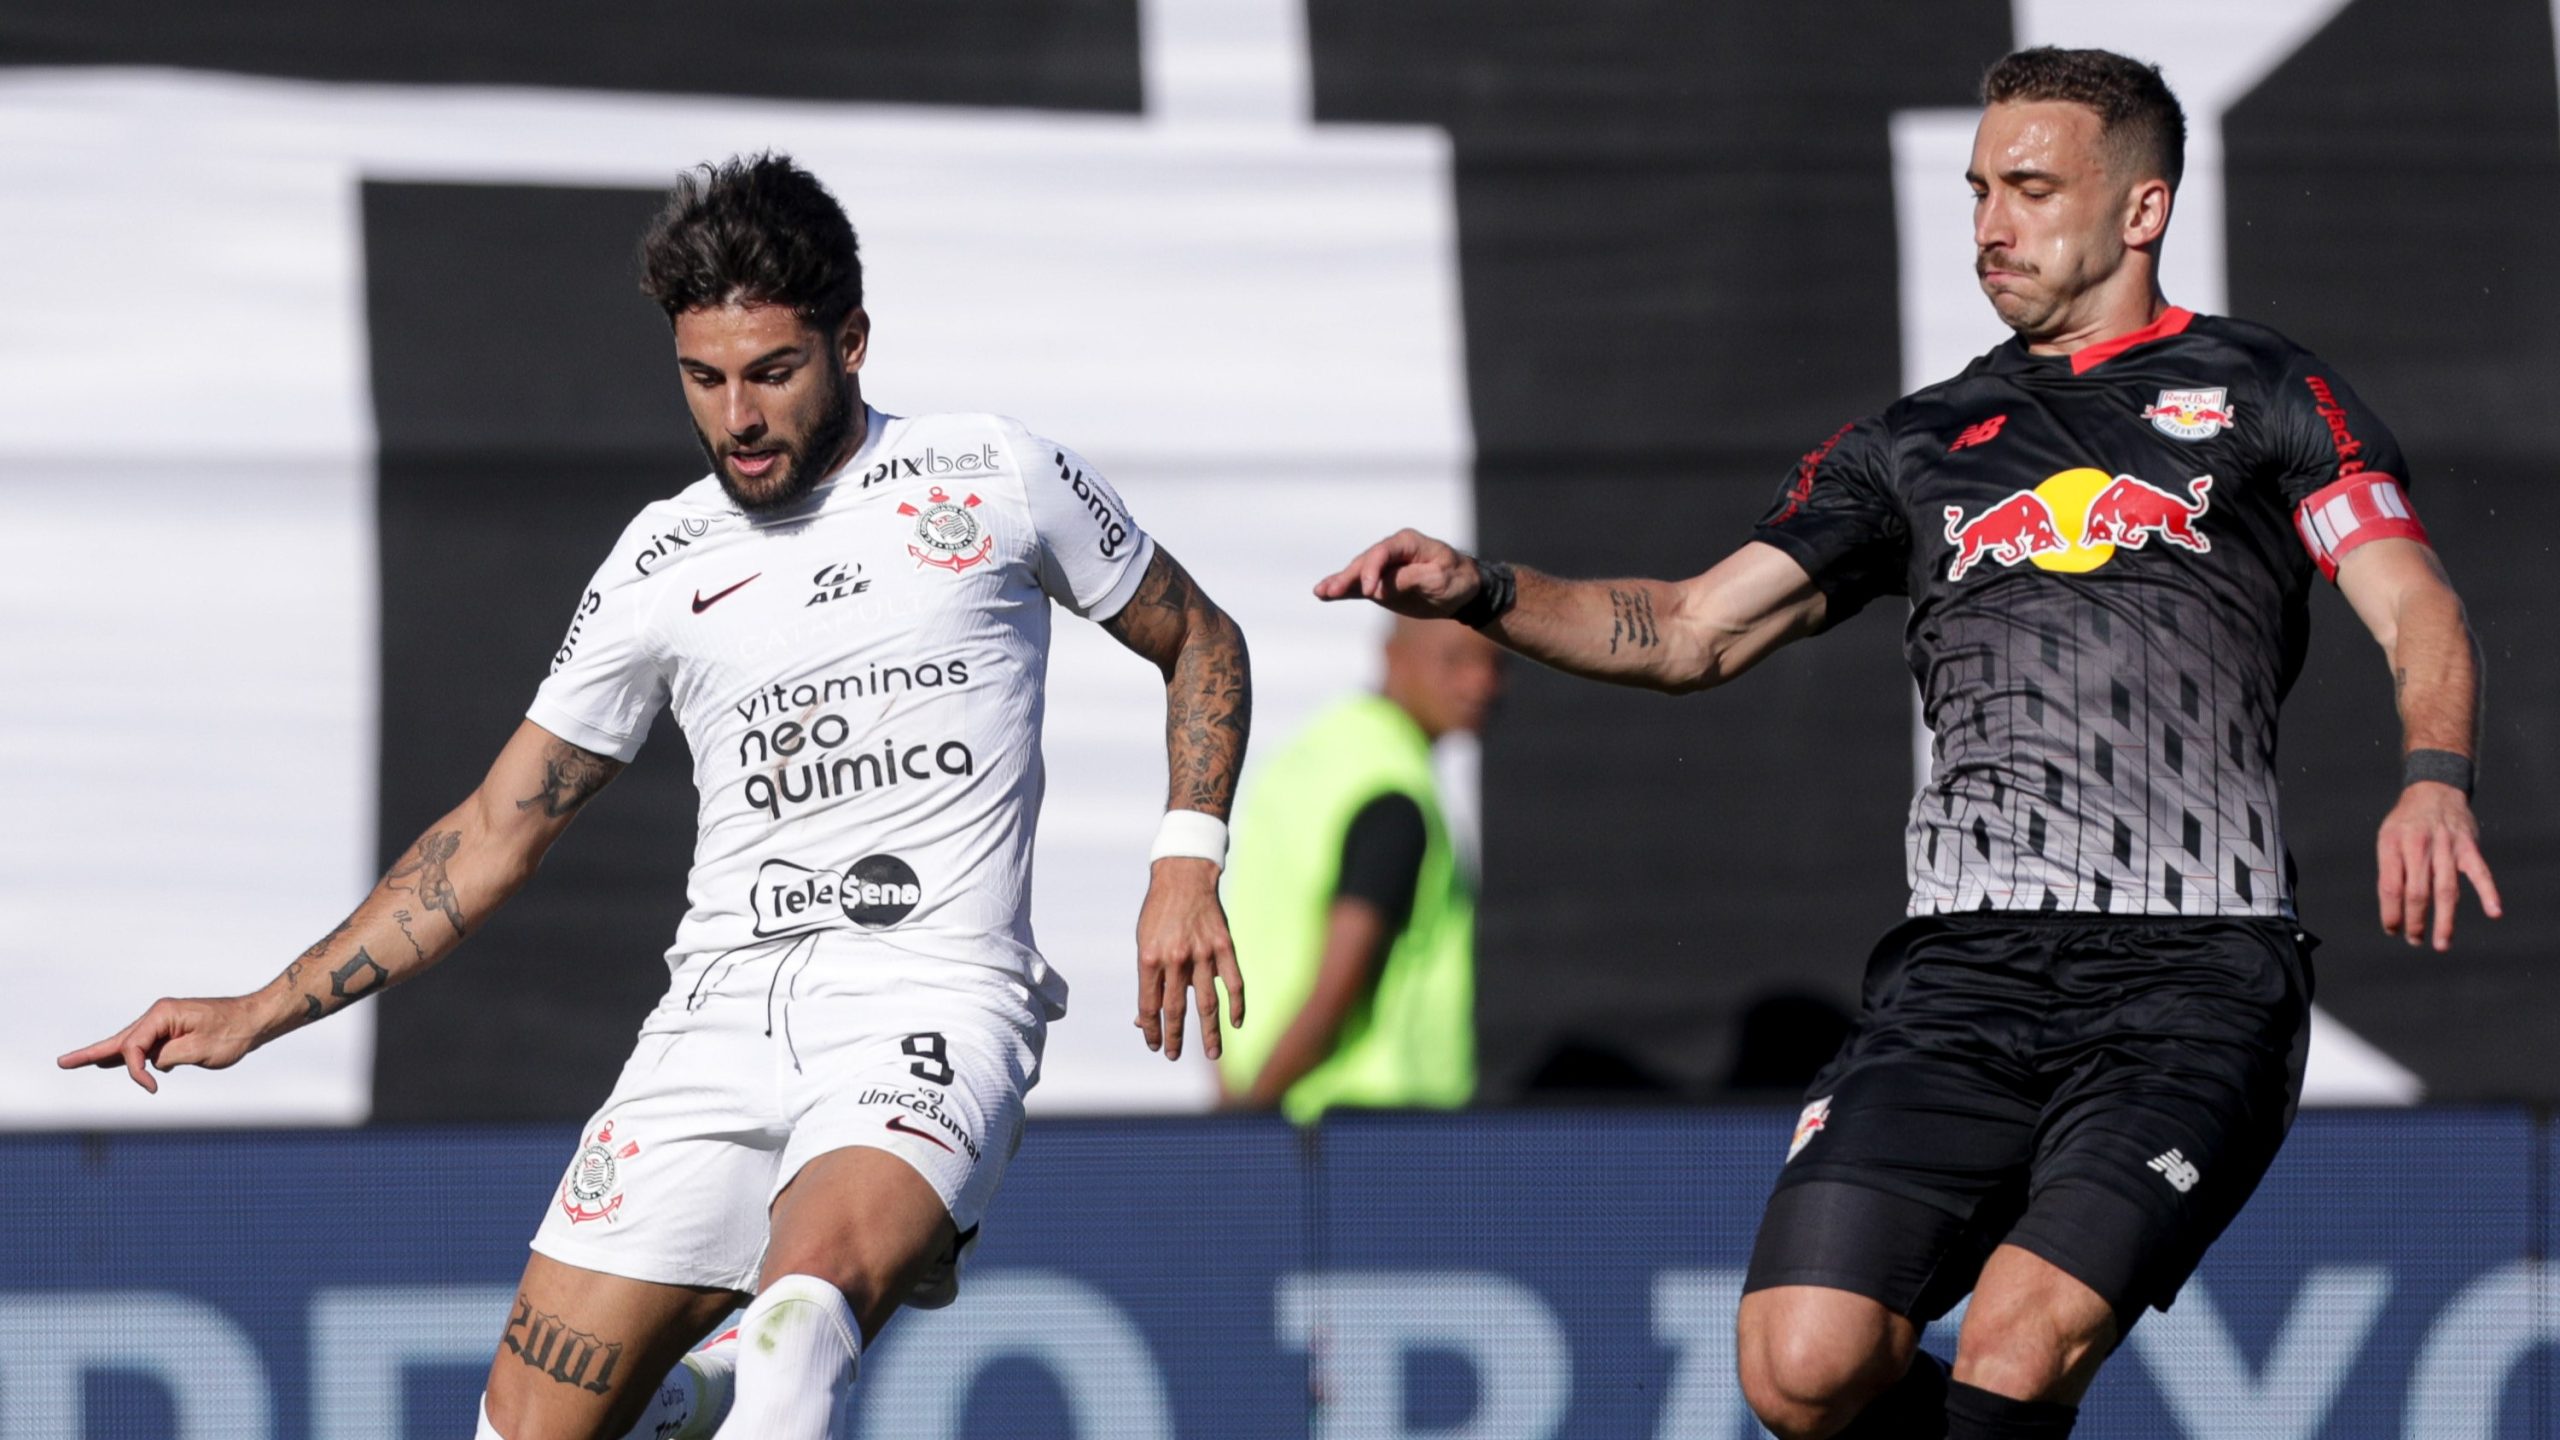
x=1353, y=912
x=2077, y=1057
x=850, y=617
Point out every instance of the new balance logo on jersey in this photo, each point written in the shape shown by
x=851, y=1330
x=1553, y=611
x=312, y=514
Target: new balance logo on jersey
x=1982, y=434
x=2174, y=1168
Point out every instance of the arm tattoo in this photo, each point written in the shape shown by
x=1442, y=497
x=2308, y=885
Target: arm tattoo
x=349, y=983
x=403, y=917
x=1631, y=620
x=1154, y=619
x=318, y=949
x=433, y=886
x=1208, y=711
x=1208, y=683
x=568, y=1355
x=570, y=776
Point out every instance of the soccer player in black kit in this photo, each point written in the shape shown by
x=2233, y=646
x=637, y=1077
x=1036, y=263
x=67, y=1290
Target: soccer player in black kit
x=2076, y=1058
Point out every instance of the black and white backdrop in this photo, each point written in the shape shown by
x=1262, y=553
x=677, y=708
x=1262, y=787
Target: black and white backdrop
x=323, y=385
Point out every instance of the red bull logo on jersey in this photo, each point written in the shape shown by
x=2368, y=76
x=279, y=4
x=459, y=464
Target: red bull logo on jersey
x=2192, y=414
x=2018, y=528
x=2129, y=512
x=2074, y=521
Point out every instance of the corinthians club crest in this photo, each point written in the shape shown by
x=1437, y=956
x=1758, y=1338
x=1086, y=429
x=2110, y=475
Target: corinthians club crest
x=593, y=1190
x=953, y=537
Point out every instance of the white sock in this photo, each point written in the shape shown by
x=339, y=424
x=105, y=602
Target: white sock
x=798, y=1349
x=486, y=1431
x=694, y=1398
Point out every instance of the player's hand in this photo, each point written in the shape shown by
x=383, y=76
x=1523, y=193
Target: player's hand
x=1409, y=573
x=1183, y=946
x=2429, y=843
x=210, y=1033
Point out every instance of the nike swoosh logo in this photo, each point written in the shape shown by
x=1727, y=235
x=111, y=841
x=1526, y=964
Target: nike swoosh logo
x=700, y=604
x=899, y=1124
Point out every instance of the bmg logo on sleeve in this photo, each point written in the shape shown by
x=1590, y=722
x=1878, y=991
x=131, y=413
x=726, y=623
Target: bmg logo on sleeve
x=874, y=892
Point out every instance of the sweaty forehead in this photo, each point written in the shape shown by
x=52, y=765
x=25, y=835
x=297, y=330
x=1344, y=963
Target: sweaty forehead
x=2053, y=136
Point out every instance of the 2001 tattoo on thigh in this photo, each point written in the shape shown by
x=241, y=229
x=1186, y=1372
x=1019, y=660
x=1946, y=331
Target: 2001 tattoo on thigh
x=568, y=1355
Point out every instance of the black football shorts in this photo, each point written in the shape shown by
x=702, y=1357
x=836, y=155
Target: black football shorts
x=2102, y=1092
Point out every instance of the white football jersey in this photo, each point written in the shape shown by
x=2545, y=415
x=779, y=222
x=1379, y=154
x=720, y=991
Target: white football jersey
x=861, y=680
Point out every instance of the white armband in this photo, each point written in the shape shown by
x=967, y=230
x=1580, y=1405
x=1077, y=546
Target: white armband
x=1191, y=834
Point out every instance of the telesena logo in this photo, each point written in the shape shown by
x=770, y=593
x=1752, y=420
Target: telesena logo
x=874, y=892
x=981, y=461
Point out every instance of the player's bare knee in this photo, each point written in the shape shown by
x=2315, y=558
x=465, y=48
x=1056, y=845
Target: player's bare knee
x=1807, y=1379
x=2026, y=1352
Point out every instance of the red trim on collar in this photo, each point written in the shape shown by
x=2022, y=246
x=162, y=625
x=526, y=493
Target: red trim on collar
x=2171, y=321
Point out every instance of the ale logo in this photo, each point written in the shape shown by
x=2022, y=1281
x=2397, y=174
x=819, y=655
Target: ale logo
x=2075, y=521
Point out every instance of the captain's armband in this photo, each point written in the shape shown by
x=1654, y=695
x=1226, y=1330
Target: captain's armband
x=2358, y=509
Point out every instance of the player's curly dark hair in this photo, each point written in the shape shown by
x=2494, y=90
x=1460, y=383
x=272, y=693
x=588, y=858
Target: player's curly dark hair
x=753, y=230
x=2138, y=118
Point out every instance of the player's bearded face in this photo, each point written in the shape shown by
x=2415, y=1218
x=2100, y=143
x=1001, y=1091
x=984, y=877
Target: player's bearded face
x=773, y=400
x=2047, y=214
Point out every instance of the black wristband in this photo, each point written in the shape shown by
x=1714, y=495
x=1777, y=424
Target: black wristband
x=1497, y=591
x=2443, y=766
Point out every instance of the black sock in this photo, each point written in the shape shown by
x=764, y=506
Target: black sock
x=1914, y=1408
x=1977, y=1414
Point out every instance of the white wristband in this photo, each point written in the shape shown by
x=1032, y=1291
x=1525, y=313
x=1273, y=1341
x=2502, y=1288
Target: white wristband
x=1192, y=835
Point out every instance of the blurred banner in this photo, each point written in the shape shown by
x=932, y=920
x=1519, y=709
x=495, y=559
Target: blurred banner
x=1560, y=1276
x=326, y=384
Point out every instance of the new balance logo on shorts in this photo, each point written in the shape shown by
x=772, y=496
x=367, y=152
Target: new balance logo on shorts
x=2174, y=1168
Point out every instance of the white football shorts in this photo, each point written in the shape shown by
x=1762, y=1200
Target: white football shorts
x=761, y=1060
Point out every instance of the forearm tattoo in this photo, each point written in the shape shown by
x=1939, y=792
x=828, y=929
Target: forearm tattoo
x=319, y=949
x=349, y=983
x=1631, y=620
x=402, y=918
x=570, y=777
x=1208, y=683
x=426, y=872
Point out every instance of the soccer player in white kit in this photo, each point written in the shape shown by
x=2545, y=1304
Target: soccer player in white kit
x=850, y=618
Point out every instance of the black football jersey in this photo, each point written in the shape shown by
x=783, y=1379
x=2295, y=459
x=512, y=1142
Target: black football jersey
x=2108, y=557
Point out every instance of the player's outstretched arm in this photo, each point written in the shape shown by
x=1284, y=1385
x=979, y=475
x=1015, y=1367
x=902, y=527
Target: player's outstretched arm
x=1662, y=634
x=2430, y=841
x=1208, y=708
x=460, y=870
